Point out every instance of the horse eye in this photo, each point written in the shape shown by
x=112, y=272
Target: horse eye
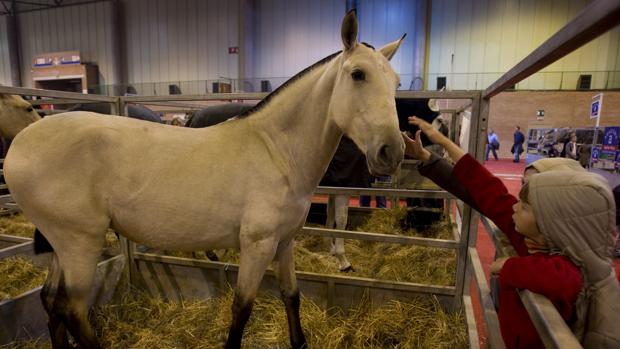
x=30, y=109
x=358, y=75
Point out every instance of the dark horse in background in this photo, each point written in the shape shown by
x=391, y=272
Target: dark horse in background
x=421, y=108
x=134, y=111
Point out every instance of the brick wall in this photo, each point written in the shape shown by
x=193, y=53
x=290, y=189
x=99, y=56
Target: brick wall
x=562, y=109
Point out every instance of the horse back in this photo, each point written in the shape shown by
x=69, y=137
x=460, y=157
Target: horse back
x=162, y=174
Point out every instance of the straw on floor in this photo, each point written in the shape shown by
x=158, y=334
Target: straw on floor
x=18, y=275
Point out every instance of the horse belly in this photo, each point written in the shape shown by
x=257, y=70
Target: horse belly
x=176, y=229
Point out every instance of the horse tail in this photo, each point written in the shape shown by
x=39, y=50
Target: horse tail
x=41, y=245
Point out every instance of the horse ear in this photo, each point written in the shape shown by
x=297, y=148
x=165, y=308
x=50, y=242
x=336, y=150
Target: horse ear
x=349, y=30
x=390, y=49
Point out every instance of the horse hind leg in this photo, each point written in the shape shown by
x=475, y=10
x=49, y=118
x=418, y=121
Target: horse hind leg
x=58, y=330
x=65, y=297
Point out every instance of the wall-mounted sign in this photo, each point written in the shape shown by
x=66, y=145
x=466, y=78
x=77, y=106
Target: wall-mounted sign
x=596, y=106
x=611, y=137
x=233, y=50
x=540, y=114
x=595, y=154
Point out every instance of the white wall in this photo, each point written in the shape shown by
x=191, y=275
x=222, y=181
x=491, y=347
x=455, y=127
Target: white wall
x=87, y=28
x=188, y=40
x=181, y=40
x=488, y=37
x=382, y=22
x=293, y=34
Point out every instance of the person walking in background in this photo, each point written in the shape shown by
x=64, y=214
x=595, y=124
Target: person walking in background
x=493, y=146
x=517, y=146
x=571, y=147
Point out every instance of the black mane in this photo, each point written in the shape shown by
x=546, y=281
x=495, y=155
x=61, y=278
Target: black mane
x=298, y=76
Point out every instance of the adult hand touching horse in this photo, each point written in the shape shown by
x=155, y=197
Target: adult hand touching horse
x=435, y=136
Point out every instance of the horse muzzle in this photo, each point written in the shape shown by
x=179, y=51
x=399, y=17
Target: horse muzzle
x=383, y=158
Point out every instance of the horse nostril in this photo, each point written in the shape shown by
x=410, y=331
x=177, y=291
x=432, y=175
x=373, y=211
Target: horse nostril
x=384, y=153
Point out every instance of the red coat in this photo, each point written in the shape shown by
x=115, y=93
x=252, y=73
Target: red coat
x=553, y=276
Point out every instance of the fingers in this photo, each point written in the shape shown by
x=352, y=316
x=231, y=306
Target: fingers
x=418, y=137
x=406, y=137
x=423, y=125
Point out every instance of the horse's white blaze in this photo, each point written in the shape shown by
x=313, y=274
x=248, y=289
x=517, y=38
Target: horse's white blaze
x=15, y=115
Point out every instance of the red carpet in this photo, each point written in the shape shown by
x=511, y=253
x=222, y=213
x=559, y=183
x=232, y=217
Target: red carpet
x=511, y=174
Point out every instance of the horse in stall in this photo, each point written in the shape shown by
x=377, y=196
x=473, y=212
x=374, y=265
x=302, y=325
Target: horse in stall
x=117, y=172
x=15, y=115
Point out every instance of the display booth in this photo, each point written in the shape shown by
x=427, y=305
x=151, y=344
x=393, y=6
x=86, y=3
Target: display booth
x=63, y=71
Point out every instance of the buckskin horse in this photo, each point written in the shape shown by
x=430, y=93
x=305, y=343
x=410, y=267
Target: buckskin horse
x=122, y=173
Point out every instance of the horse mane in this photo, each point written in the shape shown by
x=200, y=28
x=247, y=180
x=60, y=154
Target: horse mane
x=260, y=105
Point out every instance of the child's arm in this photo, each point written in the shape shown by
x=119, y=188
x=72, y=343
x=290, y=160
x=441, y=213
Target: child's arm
x=552, y=276
x=491, y=198
x=440, y=171
x=487, y=192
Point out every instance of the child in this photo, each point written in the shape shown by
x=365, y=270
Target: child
x=568, y=218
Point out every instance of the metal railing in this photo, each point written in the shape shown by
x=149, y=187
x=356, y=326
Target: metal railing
x=551, y=327
x=542, y=80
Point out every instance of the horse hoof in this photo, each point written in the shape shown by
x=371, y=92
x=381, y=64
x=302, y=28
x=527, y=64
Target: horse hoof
x=212, y=256
x=347, y=269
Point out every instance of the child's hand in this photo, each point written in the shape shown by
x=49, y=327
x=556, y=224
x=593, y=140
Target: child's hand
x=432, y=133
x=415, y=149
x=498, y=264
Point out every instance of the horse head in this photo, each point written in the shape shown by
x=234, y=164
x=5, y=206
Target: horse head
x=15, y=115
x=363, y=99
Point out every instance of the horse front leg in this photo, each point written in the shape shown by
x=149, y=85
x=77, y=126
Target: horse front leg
x=284, y=267
x=255, y=256
x=342, y=216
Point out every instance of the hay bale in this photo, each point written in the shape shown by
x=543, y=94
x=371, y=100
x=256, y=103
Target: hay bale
x=19, y=275
x=16, y=225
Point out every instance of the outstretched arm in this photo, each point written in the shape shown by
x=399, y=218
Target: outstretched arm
x=415, y=148
x=487, y=192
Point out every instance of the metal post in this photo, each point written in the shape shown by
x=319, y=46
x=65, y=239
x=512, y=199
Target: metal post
x=479, y=119
x=13, y=45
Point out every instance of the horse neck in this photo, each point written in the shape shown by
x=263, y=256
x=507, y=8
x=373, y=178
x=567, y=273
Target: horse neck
x=296, y=125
